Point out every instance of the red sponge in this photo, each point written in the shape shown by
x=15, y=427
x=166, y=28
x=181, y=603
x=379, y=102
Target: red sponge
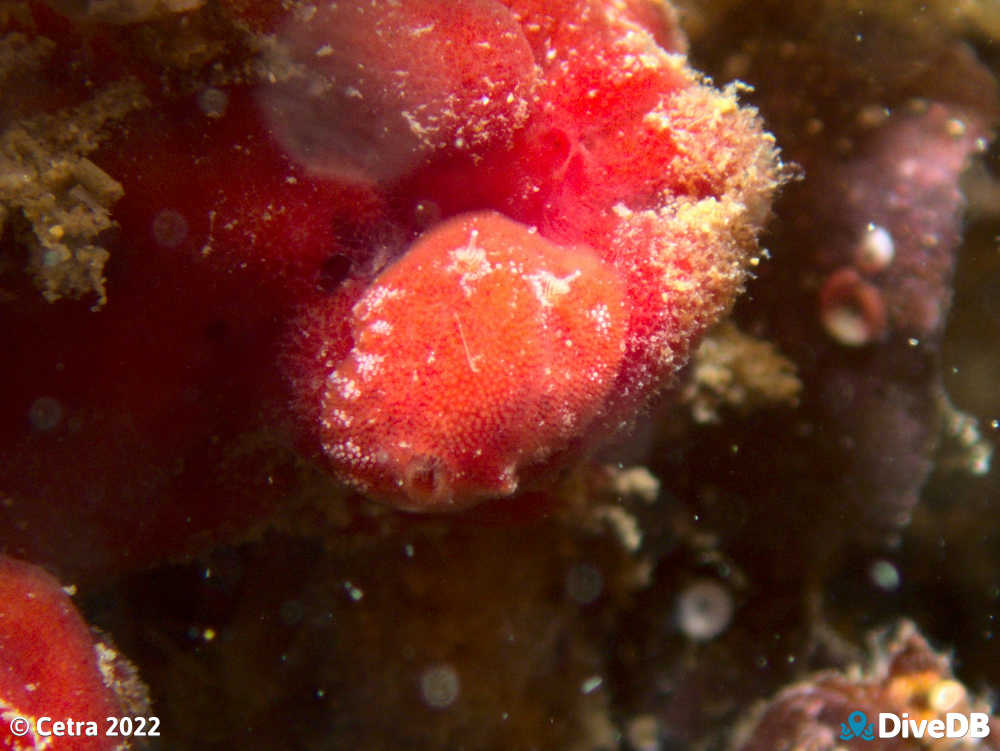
x=51, y=667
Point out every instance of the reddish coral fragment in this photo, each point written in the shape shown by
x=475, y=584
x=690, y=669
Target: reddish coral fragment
x=50, y=666
x=907, y=678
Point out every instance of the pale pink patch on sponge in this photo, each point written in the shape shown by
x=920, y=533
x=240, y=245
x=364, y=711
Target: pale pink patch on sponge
x=367, y=91
x=484, y=349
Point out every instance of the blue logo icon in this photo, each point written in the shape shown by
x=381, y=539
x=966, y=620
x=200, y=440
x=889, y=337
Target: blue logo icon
x=859, y=727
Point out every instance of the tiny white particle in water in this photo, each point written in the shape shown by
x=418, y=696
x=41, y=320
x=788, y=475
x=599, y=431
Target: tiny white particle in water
x=213, y=102
x=875, y=249
x=353, y=592
x=170, y=228
x=704, y=610
x=884, y=575
x=440, y=686
x=584, y=583
x=45, y=413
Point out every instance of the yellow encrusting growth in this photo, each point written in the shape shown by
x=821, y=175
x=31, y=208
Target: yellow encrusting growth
x=57, y=199
x=735, y=370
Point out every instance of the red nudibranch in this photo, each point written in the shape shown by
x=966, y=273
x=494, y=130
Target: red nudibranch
x=600, y=206
x=481, y=349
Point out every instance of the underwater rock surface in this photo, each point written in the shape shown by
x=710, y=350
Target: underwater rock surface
x=274, y=276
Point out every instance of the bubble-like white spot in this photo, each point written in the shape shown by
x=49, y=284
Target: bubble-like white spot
x=170, y=228
x=584, y=583
x=45, y=413
x=875, y=249
x=884, y=575
x=353, y=591
x=440, y=686
x=213, y=102
x=704, y=610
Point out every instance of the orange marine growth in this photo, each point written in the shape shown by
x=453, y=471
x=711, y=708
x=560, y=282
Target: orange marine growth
x=485, y=349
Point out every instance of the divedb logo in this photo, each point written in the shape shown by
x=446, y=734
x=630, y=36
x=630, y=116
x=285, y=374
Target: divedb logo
x=954, y=725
